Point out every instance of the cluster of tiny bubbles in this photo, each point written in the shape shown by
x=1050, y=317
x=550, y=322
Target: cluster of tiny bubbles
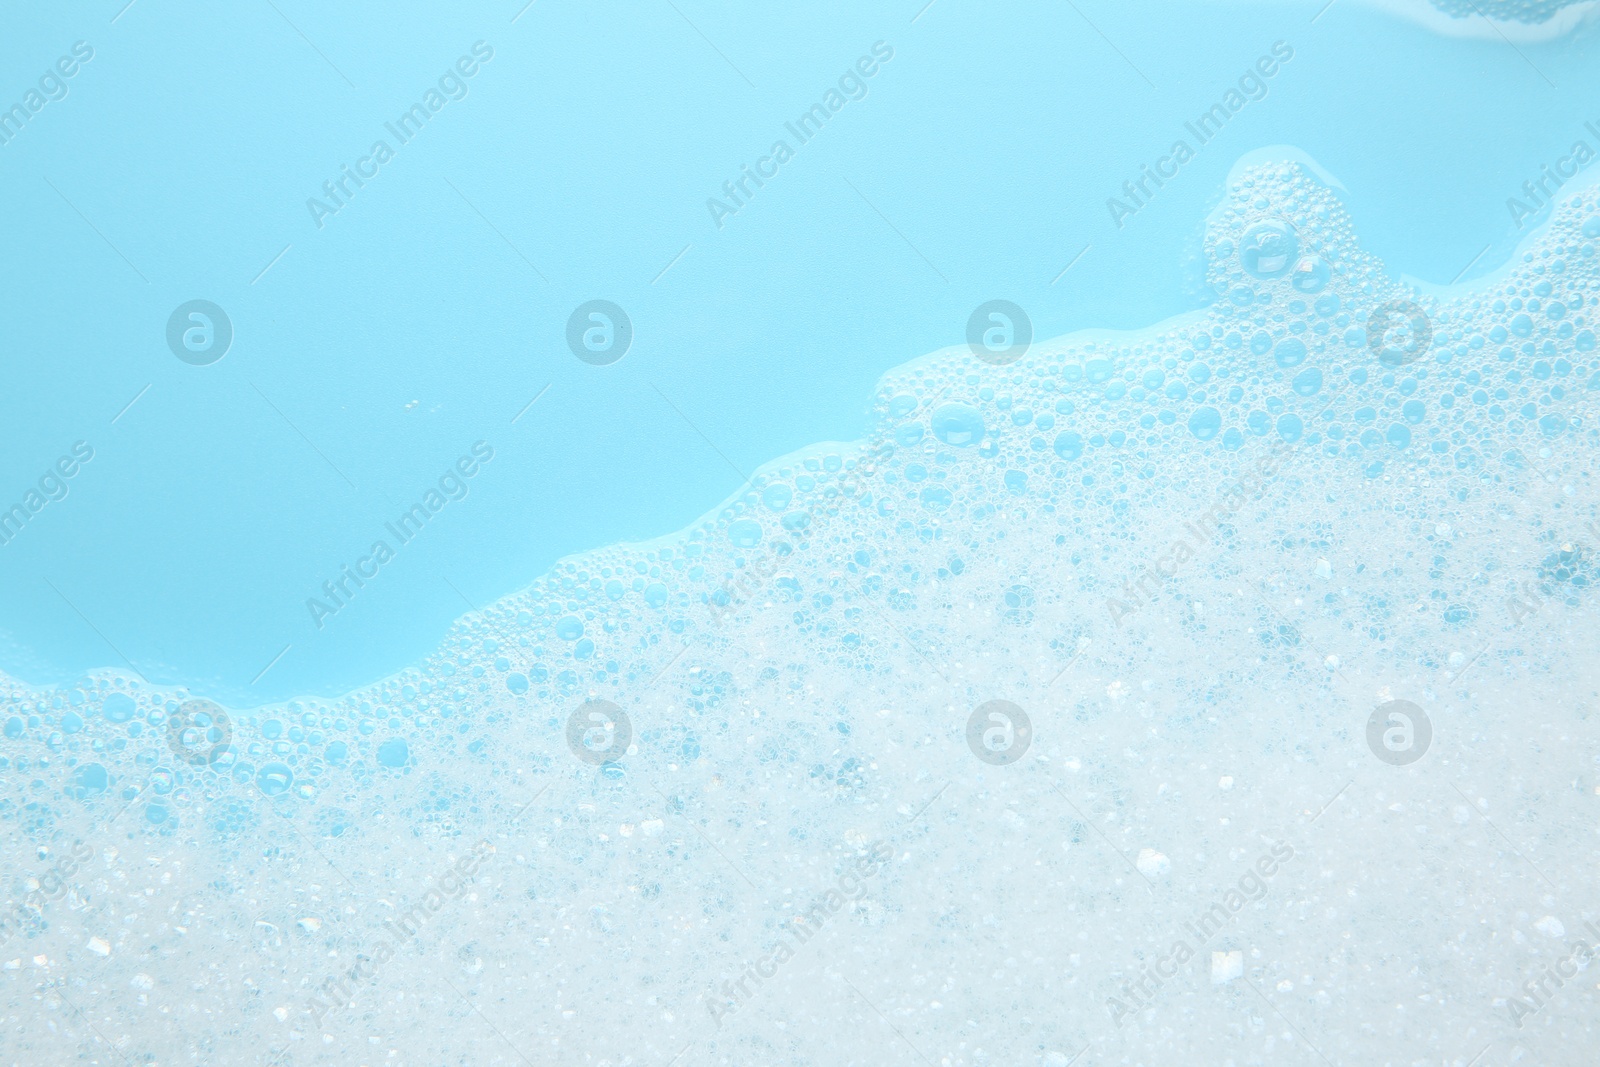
x=1530, y=11
x=1066, y=450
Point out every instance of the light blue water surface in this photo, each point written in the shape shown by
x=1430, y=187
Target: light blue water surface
x=371, y=353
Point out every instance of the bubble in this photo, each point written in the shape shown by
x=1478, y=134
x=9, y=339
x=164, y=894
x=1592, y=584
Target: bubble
x=517, y=683
x=199, y=732
x=90, y=780
x=746, y=533
x=1205, y=423
x=956, y=424
x=1290, y=352
x=1068, y=445
x=1591, y=226
x=274, y=779
x=569, y=628
x=1399, y=333
x=394, y=753
x=1268, y=249
x=1310, y=275
x=119, y=707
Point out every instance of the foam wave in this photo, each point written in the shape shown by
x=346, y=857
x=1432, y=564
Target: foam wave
x=1225, y=534
x=1519, y=21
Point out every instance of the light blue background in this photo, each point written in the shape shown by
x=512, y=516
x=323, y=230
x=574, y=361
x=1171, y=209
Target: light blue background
x=592, y=141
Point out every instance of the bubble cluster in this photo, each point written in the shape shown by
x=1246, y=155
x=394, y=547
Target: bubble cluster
x=1321, y=490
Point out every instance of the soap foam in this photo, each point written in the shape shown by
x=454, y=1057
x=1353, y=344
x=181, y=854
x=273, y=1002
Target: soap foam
x=440, y=868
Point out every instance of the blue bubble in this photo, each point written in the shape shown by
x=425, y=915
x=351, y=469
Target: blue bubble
x=1399, y=435
x=1290, y=352
x=394, y=753
x=1311, y=275
x=777, y=495
x=15, y=727
x=1290, y=427
x=517, y=683
x=119, y=707
x=569, y=628
x=1269, y=249
x=958, y=424
x=1591, y=226
x=1308, y=381
x=1414, y=411
x=90, y=780
x=1017, y=481
x=746, y=533
x=274, y=779
x=1205, y=423
x=1069, y=445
